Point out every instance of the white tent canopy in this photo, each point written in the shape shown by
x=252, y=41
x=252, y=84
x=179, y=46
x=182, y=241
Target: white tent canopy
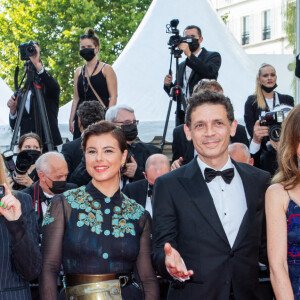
x=144, y=62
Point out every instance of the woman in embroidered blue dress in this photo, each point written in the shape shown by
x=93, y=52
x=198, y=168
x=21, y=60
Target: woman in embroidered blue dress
x=96, y=229
x=283, y=213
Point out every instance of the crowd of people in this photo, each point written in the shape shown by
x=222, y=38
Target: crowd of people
x=111, y=217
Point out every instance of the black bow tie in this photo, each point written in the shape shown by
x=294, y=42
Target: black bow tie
x=227, y=174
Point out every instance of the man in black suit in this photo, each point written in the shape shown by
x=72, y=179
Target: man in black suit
x=141, y=190
x=88, y=112
x=199, y=64
x=51, y=92
x=208, y=216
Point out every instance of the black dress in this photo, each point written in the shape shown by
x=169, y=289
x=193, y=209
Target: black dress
x=98, y=235
x=85, y=93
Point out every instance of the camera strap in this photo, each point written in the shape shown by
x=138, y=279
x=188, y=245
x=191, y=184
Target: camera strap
x=89, y=83
x=36, y=202
x=274, y=103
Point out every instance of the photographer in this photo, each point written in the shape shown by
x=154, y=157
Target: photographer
x=265, y=158
x=199, y=64
x=29, y=149
x=51, y=91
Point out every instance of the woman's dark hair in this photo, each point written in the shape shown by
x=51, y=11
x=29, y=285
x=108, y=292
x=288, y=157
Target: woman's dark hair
x=104, y=127
x=90, y=34
x=30, y=135
x=288, y=169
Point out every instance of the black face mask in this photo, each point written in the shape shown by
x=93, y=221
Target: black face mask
x=58, y=187
x=269, y=89
x=87, y=53
x=194, y=45
x=130, y=131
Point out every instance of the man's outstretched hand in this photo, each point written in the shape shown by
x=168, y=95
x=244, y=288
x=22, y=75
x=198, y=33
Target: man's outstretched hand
x=175, y=264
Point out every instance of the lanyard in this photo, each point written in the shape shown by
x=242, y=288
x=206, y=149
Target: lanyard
x=267, y=106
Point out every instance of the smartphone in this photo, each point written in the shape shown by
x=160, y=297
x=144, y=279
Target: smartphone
x=2, y=191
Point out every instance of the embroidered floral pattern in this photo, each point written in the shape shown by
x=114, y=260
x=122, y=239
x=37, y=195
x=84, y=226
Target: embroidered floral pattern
x=93, y=216
x=121, y=217
x=47, y=218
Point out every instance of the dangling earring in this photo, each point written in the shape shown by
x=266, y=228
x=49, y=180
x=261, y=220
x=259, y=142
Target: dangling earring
x=298, y=160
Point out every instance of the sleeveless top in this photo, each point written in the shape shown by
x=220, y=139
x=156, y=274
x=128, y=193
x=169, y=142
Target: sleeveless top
x=293, y=246
x=99, y=84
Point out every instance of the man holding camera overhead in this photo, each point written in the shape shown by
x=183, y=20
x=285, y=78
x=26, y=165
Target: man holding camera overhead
x=51, y=91
x=199, y=64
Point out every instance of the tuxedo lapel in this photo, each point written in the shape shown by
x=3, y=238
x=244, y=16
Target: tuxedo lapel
x=249, y=183
x=195, y=186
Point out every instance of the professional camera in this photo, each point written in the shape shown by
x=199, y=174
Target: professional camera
x=25, y=159
x=27, y=50
x=274, y=120
x=176, y=39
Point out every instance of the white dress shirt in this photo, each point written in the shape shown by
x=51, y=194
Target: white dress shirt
x=229, y=200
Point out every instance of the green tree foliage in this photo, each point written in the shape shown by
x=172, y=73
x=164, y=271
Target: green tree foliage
x=290, y=22
x=57, y=24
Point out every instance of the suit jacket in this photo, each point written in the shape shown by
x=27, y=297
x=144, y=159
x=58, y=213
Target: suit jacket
x=73, y=154
x=252, y=112
x=185, y=216
x=20, y=257
x=206, y=65
x=51, y=92
x=137, y=191
x=181, y=147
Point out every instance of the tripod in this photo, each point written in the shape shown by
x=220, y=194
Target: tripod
x=41, y=118
x=176, y=94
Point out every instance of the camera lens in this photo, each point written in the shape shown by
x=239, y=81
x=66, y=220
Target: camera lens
x=274, y=132
x=31, y=49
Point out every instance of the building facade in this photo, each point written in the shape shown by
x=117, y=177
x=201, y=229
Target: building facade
x=256, y=24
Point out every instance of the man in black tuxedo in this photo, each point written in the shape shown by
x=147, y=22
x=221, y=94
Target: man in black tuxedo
x=141, y=190
x=208, y=216
x=199, y=64
x=51, y=92
x=88, y=112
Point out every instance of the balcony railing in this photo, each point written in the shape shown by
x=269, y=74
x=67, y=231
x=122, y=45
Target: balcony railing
x=245, y=38
x=266, y=33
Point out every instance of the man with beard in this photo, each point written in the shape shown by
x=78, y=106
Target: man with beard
x=199, y=64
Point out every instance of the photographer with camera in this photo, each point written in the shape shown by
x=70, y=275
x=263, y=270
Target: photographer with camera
x=50, y=90
x=29, y=149
x=199, y=64
x=269, y=125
